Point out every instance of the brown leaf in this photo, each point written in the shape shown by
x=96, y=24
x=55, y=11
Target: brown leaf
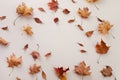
x=83, y=51
x=17, y=78
x=48, y=54
x=13, y=61
x=60, y=72
x=107, y=72
x=66, y=11
x=2, y=17
x=100, y=20
x=53, y=5
x=73, y=1
x=56, y=20
x=3, y=41
x=28, y=30
x=41, y=9
x=102, y=48
x=37, y=20
x=92, y=1
x=44, y=75
x=35, y=55
x=84, y=13
x=104, y=27
x=24, y=10
x=71, y=20
x=89, y=33
x=5, y=28
x=82, y=69
x=26, y=47
x=34, y=69
x=80, y=27
x=80, y=44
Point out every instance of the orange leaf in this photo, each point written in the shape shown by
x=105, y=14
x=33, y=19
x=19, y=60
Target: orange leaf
x=106, y=72
x=73, y=1
x=71, y=20
x=41, y=9
x=89, y=33
x=53, y=5
x=35, y=55
x=3, y=41
x=28, y=30
x=2, y=17
x=44, y=75
x=34, y=69
x=80, y=44
x=48, y=54
x=102, y=48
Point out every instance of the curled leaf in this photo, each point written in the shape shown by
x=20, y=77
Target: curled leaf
x=48, y=54
x=89, y=33
x=66, y=11
x=2, y=17
x=3, y=41
x=26, y=47
x=35, y=55
x=80, y=27
x=83, y=51
x=84, y=13
x=56, y=20
x=37, y=20
x=41, y=9
x=73, y=1
x=5, y=28
x=53, y=5
x=34, y=69
x=106, y=72
x=92, y=1
x=28, y=30
x=44, y=76
x=71, y=20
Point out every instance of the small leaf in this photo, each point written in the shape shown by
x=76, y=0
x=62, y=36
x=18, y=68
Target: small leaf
x=56, y=20
x=44, y=75
x=3, y=41
x=71, y=20
x=83, y=51
x=66, y=11
x=48, y=54
x=73, y=1
x=80, y=27
x=37, y=20
x=80, y=44
x=2, y=17
x=41, y=9
x=28, y=30
x=5, y=28
x=34, y=69
x=35, y=55
x=89, y=33
x=26, y=47
x=106, y=72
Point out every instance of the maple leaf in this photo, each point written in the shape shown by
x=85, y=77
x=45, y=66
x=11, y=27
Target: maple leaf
x=89, y=33
x=92, y=1
x=24, y=10
x=102, y=48
x=13, y=61
x=104, y=27
x=3, y=41
x=34, y=69
x=61, y=73
x=53, y=5
x=106, y=72
x=35, y=55
x=84, y=13
x=28, y=30
x=82, y=69
x=66, y=11
x=2, y=17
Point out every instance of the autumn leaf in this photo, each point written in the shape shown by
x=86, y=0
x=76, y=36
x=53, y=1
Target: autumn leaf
x=83, y=51
x=35, y=55
x=84, y=13
x=37, y=20
x=24, y=10
x=5, y=28
x=13, y=61
x=28, y=30
x=53, y=5
x=80, y=27
x=44, y=76
x=73, y=1
x=26, y=47
x=100, y=20
x=17, y=78
x=71, y=20
x=104, y=27
x=102, y=48
x=89, y=33
x=66, y=11
x=82, y=69
x=92, y=1
x=48, y=54
x=34, y=69
x=41, y=9
x=61, y=73
x=2, y=18
x=56, y=20
x=3, y=41
x=106, y=72
x=80, y=44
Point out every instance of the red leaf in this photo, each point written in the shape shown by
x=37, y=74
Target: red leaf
x=80, y=44
x=71, y=20
x=66, y=11
x=83, y=51
x=25, y=47
x=5, y=28
x=53, y=5
x=35, y=55
x=89, y=33
x=73, y=1
x=44, y=75
x=56, y=19
x=37, y=20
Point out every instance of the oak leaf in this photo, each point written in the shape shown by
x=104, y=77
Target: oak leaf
x=35, y=55
x=13, y=61
x=102, y=48
x=106, y=72
x=84, y=13
x=83, y=51
x=28, y=30
x=5, y=28
x=104, y=27
x=53, y=5
x=71, y=20
x=34, y=69
x=3, y=41
x=82, y=69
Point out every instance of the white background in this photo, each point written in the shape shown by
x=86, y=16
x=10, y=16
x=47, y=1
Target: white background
x=60, y=39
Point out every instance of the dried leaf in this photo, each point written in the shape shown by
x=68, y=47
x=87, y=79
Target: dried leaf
x=35, y=55
x=53, y=5
x=107, y=72
x=84, y=13
x=100, y=20
x=5, y=28
x=17, y=78
x=48, y=54
x=104, y=27
x=80, y=44
x=102, y=48
x=60, y=72
x=66, y=11
x=28, y=30
x=73, y=1
x=71, y=20
x=56, y=20
x=89, y=33
x=44, y=76
x=83, y=51
x=2, y=17
x=37, y=20
x=13, y=61
x=82, y=69
x=34, y=69
x=41, y=9
x=26, y=47
x=3, y=41
x=80, y=27
x=92, y=1
x=24, y=10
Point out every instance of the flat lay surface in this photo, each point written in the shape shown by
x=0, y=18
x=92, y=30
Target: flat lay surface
x=58, y=38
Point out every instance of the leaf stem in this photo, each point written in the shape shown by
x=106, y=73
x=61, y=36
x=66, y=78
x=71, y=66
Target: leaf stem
x=96, y=7
x=98, y=59
x=16, y=19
